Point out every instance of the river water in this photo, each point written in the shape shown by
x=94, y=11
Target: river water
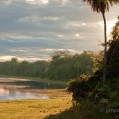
x=13, y=89
x=8, y=94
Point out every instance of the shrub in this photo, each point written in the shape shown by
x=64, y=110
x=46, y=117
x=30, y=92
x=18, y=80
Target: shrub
x=79, y=87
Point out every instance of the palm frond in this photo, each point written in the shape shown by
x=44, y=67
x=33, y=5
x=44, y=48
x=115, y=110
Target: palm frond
x=101, y=5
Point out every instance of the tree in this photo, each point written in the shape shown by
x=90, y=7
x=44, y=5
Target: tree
x=113, y=53
x=66, y=66
x=101, y=6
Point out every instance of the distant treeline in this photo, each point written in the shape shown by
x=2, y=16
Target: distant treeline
x=63, y=66
x=24, y=68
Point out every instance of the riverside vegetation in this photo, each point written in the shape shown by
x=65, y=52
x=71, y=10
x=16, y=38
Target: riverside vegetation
x=63, y=66
x=36, y=109
x=89, y=90
x=90, y=98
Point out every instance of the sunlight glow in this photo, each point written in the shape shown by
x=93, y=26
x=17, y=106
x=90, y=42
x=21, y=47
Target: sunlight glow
x=77, y=35
x=30, y=0
x=60, y=35
x=44, y=1
x=84, y=24
x=101, y=24
x=110, y=25
x=8, y=58
x=38, y=1
x=3, y=92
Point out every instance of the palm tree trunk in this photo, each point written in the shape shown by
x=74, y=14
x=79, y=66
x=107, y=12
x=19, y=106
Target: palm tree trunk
x=105, y=50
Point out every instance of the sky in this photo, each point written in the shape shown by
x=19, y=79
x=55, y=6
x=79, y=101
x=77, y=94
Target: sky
x=33, y=29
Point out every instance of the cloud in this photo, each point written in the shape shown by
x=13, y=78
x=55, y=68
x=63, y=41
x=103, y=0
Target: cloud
x=38, y=27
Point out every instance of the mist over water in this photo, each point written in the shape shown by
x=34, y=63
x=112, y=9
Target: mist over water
x=22, y=89
x=8, y=94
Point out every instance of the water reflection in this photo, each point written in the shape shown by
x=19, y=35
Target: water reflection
x=11, y=88
x=6, y=94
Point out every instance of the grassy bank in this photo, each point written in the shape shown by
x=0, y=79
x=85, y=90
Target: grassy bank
x=59, y=106
x=59, y=102
x=32, y=109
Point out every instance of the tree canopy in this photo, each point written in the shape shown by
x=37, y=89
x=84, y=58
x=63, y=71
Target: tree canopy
x=113, y=53
x=66, y=66
x=101, y=5
x=63, y=66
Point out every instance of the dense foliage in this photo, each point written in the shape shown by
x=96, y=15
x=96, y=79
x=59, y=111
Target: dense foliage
x=63, y=66
x=67, y=66
x=113, y=54
x=105, y=97
x=79, y=88
x=24, y=68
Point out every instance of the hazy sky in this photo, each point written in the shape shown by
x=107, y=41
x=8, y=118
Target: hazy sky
x=33, y=29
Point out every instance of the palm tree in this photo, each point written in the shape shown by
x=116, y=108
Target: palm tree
x=101, y=6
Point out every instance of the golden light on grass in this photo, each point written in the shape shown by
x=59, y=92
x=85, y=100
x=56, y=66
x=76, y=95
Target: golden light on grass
x=35, y=109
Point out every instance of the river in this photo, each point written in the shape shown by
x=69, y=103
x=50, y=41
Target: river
x=14, y=89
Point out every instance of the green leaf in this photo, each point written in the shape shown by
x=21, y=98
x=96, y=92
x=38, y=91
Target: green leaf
x=103, y=100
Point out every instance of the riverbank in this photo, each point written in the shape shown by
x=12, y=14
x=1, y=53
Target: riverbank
x=59, y=102
x=58, y=105
x=32, y=109
x=21, y=85
x=61, y=82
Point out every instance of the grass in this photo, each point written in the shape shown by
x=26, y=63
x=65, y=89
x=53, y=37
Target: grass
x=59, y=106
x=32, y=109
x=58, y=93
x=53, y=108
x=36, y=109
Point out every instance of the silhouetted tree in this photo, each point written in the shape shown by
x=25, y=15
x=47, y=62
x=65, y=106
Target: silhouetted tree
x=113, y=53
x=101, y=6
